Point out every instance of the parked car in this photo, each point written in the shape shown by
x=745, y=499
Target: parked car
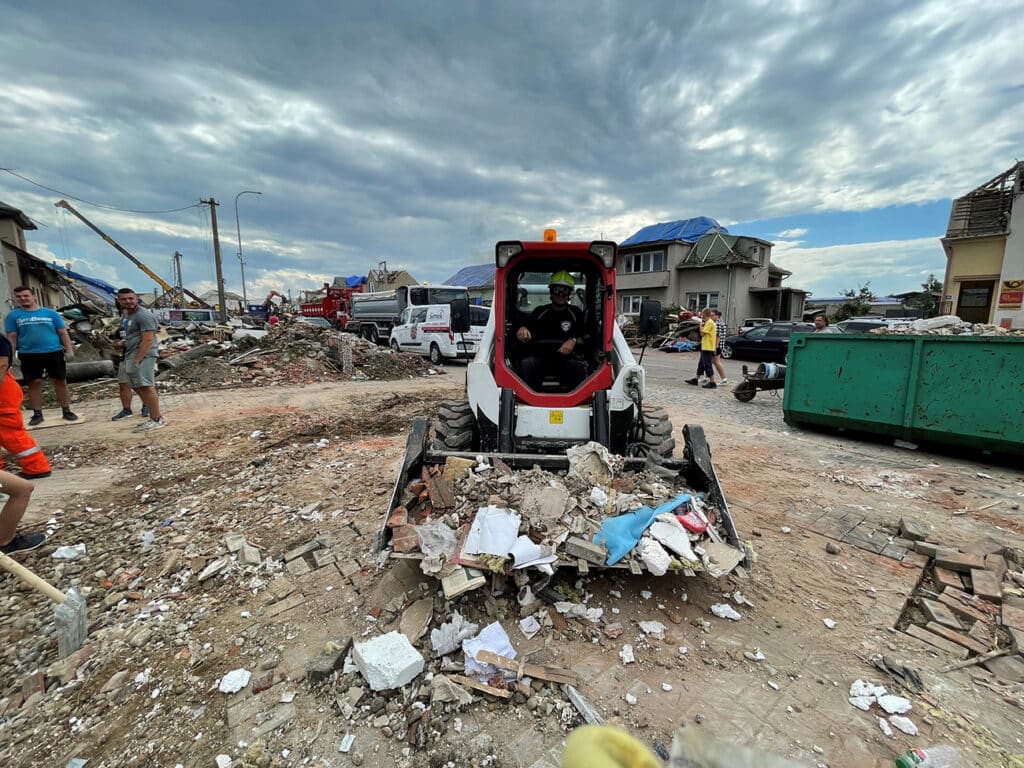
x=765, y=342
x=753, y=322
x=319, y=322
x=427, y=330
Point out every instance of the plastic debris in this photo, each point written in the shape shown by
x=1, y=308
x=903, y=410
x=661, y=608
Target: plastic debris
x=69, y=552
x=830, y=623
x=491, y=638
x=883, y=724
x=894, y=705
x=626, y=654
x=449, y=636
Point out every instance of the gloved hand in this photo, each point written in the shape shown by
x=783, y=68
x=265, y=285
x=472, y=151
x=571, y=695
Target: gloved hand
x=69, y=354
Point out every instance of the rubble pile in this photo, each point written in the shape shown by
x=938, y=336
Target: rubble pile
x=971, y=605
x=946, y=325
x=470, y=517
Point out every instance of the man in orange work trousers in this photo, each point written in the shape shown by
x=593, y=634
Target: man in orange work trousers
x=13, y=436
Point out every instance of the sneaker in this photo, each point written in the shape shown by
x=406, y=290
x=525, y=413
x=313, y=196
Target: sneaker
x=145, y=411
x=23, y=543
x=124, y=413
x=69, y=415
x=692, y=381
x=708, y=385
x=36, y=420
x=724, y=381
x=36, y=475
x=151, y=424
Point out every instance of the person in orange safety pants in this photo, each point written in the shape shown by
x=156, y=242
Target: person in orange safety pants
x=14, y=438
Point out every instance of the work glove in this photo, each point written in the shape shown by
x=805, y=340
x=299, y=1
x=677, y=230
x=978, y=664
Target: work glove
x=69, y=354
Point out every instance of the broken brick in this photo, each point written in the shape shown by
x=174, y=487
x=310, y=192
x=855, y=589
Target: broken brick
x=263, y=682
x=957, y=637
x=941, y=614
x=996, y=564
x=586, y=550
x=946, y=579
x=329, y=659
x=404, y=539
x=398, y=518
x=911, y=529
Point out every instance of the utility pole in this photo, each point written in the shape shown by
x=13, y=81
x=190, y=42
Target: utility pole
x=221, y=298
x=179, y=296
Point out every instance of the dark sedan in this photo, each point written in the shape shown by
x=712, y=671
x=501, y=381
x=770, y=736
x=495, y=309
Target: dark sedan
x=766, y=342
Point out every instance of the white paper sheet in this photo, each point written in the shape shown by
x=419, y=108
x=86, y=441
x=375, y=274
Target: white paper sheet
x=525, y=553
x=491, y=638
x=493, y=532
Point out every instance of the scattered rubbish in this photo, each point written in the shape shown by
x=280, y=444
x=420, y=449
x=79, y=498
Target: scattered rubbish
x=69, y=552
x=904, y=724
x=346, y=743
x=234, y=681
x=652, y=628
x=666, y=687
x=894, y=705
x=491, y=638
x=626, y=654
x=830, y=623
x=529, y=627
x=725, y=611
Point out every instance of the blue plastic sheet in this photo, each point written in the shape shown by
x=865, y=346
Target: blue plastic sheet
x=620, y=534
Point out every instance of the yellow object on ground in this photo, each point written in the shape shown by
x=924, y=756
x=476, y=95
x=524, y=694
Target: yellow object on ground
x=602, y=746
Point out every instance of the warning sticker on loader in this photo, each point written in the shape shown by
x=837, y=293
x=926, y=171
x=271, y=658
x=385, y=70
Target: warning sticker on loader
x=555, y=417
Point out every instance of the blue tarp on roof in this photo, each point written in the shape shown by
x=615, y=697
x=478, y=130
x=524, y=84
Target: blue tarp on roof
x=354, y=281
x=687, y=230
x=478, y=276
x=97, y=287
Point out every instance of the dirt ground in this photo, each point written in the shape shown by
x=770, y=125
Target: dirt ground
x=285, y=464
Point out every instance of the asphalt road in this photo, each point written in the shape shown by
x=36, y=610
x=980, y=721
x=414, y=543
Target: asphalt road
x=668, y=369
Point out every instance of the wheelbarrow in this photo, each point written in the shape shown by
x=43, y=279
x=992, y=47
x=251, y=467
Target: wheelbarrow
x=767, y=376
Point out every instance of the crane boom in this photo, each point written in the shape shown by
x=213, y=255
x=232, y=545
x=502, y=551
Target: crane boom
x=168, y=288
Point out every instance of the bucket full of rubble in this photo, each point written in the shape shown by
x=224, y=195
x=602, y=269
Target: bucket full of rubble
x=466, y=517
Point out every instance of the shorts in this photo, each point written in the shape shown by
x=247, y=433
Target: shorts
x=34, y=364
x=718, y=352
x=141, y=375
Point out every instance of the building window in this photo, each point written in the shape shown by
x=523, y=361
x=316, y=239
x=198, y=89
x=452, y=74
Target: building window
x=695, y=302
x=649, y=261
x=630, y=305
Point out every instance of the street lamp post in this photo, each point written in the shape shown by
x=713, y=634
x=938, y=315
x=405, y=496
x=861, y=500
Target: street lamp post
x=241, y=260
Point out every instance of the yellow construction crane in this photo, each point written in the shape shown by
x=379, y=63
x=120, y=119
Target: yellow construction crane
x=168, y=288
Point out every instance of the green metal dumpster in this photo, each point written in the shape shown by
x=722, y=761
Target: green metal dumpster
x=965, y=391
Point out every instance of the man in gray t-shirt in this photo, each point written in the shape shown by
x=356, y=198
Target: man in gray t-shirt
x=140, y=354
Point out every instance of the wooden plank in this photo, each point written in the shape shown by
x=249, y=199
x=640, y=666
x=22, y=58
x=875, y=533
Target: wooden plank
x=956, y=637
x=476, y=685
x=941, y=614
x=963, y=604
x=541, y=672
x=936, y=642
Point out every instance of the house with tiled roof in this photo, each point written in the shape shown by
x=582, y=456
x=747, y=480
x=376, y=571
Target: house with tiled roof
x=697, y=263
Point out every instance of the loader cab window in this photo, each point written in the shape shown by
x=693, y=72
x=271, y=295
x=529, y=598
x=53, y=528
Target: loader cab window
x=551, y=320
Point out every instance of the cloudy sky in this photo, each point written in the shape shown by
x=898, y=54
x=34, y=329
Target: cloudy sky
x=420, y=133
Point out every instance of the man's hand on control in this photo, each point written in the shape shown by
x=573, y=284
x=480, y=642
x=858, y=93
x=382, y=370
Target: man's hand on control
x=567, y=347
x=523, y=334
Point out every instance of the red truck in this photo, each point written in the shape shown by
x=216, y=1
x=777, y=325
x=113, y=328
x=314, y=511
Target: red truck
x=335, y=306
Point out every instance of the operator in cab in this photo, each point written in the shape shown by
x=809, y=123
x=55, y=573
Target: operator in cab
x=553, y=336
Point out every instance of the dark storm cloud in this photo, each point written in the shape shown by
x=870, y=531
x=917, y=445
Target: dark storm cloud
x=421, y=134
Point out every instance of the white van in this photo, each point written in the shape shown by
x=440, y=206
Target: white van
x=427, y=331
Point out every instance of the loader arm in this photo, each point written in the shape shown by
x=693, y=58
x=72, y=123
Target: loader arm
x=168, y=288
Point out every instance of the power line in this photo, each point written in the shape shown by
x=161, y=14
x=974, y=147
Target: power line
x=88, y=202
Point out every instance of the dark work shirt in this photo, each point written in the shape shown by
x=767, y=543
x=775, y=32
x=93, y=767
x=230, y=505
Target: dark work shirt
x=5, y=349
x=549, y=324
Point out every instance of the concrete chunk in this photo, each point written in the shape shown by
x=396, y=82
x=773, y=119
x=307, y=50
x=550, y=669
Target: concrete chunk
x=958, y=561
x=911, y=529
x=586, y=550
x=234, y=541
x=934, y=611
x=250, y=555
x=996, y=564
x=986, y=585
x=946, y=579
x=329, y=659
x=387, y=661
x=926, y=548
x=1009, y=669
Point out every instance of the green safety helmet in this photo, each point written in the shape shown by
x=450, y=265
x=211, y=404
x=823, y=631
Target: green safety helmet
x=562, y=278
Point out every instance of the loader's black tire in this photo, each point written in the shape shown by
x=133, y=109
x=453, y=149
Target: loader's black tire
x=455, y=427
x=658, y=432
x=744, y=391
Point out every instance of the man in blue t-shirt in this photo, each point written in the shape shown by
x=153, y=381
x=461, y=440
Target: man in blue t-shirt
x=41, y=340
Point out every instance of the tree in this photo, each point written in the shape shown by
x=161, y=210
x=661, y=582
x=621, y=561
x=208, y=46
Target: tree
x=927, y=302
x=858, y=303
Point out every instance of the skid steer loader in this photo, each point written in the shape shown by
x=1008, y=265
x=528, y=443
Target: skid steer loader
x=504, y=417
